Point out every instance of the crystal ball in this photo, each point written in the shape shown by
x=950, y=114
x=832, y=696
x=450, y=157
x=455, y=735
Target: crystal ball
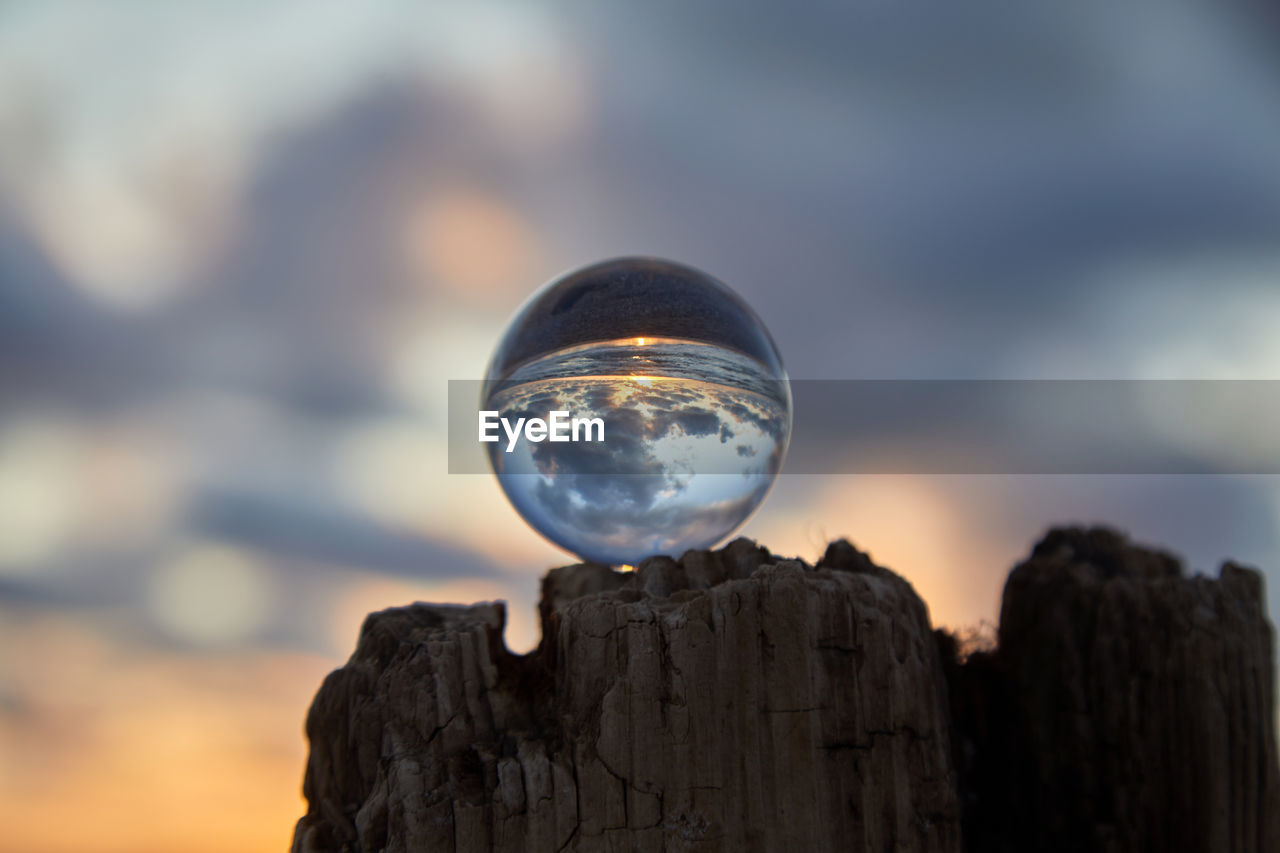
x=683, y=402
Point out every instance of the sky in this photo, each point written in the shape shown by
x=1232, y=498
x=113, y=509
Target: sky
x=244, y=247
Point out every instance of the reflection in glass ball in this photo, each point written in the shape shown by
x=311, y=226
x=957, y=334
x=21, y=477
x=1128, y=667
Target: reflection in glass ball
x=695, y=405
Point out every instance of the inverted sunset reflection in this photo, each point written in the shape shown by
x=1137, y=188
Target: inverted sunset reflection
x=690, y=446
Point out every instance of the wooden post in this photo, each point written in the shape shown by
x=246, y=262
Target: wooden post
x=1127, y=707
x=734, y=701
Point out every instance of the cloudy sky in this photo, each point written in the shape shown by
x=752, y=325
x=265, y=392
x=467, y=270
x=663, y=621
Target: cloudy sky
x=244, y=247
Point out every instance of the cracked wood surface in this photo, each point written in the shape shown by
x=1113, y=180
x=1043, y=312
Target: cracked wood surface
x=728, y=701
x=733, y=701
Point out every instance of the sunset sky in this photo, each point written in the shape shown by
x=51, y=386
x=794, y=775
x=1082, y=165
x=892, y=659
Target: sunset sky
x=245, y=246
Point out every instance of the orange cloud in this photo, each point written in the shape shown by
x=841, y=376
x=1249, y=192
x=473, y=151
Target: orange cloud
x=930, y=530
x=472, y=243
x=110, y=746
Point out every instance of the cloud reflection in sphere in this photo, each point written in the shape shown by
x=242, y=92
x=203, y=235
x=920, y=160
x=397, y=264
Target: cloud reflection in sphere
x=692, y=393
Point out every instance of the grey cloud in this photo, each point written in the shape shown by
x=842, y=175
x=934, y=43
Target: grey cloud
x=887, y=216
x=298, y=530
x=691, y=421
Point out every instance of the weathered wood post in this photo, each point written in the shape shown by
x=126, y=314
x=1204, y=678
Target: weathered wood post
x=1127, y=707
x=734, y=701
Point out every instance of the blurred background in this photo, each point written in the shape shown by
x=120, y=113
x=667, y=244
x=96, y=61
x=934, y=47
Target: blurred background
x=243, y=247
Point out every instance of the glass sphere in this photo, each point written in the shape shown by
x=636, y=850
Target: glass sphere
x=691, y=396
